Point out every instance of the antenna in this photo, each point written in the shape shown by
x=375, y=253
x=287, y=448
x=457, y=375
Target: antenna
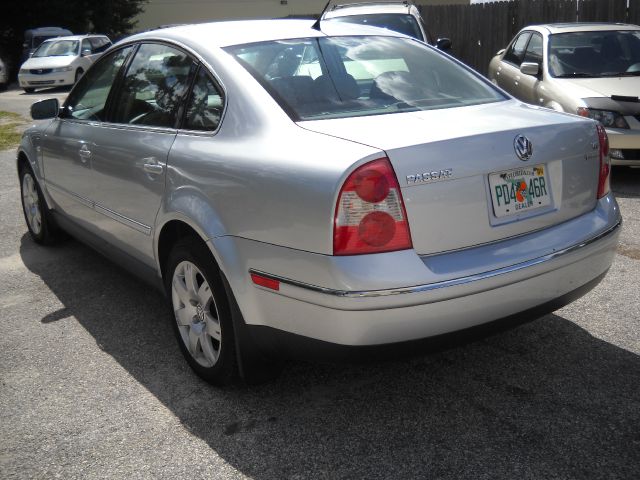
x=316, y=25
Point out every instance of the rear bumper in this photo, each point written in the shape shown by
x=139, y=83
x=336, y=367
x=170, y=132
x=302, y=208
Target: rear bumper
x=459, y=290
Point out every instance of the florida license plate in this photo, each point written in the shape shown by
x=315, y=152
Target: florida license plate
x=518, y=190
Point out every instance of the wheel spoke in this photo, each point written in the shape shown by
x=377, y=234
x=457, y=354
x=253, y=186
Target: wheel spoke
x=181, y=290
x=193, y=343
x=183, y=317
x=190, y=273
x=204, y=294
x=207, y=349
x=213, y=327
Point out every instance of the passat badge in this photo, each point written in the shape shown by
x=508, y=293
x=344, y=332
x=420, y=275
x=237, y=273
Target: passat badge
x=523, y=147
x=428, y=177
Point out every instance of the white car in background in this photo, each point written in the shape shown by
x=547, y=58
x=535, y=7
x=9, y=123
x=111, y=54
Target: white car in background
x=61, y=61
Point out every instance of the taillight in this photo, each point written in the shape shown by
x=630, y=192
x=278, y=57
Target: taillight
x=370, y=215
x=605, y=162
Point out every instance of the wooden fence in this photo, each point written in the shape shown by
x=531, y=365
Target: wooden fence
x=479, y=31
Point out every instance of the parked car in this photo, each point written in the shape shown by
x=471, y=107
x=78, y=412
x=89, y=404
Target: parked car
x=291, y=189
x=61, y=61
x=401, y=16
x=35, y=36
x=592, y=70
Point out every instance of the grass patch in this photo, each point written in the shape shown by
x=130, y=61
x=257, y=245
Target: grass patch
x=9, y=136
x=10, y=116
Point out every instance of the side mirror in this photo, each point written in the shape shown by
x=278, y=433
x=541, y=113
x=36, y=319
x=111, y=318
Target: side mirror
x=443, y=44
x=530, y=68
x=45, y=109
x=501, y=51
x=86, y=52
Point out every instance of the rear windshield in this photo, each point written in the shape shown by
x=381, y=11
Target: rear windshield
x=398, y=22
x=337, y=77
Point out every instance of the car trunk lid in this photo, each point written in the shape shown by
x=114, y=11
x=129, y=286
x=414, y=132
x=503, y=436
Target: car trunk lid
x=449, y=165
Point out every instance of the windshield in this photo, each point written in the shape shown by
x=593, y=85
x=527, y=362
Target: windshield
x=398, y=22
x=594, y=54
x=60, y=48
x=335, y=77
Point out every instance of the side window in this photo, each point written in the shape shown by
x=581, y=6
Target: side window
x=99, y=44
x=515, y=54
x=86, y=47
x=87, y=100
x=153, y=87
x=534, y=49
x=205, y=106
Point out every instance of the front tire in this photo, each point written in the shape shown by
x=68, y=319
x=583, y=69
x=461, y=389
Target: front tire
x=29, y=90
x=202, y=317
x=79, y=74
x=35, y=210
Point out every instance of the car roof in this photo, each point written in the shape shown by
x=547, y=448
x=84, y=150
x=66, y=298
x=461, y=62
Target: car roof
x=366, y=8
x=223, y=34
x=74, y=37
x=554, y=28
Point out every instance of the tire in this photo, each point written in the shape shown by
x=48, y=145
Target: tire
x=29, y=90
x=202, y=319
x=36, y=214
x=79, y=74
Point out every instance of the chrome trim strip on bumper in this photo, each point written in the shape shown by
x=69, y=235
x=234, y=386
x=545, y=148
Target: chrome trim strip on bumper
x=446, y=283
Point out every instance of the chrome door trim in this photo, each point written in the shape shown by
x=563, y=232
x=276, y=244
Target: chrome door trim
x=129, y=222
x=79, y=198
x=446, y=283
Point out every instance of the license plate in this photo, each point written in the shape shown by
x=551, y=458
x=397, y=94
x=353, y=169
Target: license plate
x=518, y=190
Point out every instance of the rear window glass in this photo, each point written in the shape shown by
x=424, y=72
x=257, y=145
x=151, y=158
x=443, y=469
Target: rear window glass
x=354, y=76
x=398, y=22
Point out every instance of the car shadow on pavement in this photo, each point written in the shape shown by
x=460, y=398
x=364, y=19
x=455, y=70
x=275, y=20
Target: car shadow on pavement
x=544, y=400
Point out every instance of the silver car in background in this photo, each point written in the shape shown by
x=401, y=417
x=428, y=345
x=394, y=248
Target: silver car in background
x=589, y=69
x=295, y=188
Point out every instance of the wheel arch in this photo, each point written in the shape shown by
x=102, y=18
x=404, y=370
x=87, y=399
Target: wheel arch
x=169, y=234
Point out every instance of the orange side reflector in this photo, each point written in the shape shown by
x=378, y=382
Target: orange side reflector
x=265, y=282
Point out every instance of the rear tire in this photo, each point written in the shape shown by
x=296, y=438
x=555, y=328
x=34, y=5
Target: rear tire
x=39, y=221
x=29, y=90
x=202, y=317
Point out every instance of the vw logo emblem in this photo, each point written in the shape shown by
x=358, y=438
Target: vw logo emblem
x=523, y=147
x=200, y=313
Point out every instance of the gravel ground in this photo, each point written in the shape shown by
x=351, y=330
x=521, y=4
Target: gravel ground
x=92, y=384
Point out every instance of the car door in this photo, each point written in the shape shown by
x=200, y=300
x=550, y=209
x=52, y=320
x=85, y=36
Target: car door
x=129, y=157
x=509, y=67
x=68, y=143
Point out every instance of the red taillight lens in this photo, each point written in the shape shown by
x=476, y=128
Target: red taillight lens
x=605, y=162
x=370, y=215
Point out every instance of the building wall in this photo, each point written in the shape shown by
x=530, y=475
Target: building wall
x=164, y=12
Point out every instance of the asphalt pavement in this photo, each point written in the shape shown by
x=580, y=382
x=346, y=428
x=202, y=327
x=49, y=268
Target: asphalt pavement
x=93, y=385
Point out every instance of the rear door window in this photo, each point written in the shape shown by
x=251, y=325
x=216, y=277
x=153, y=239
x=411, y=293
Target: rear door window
x=205, y=105
x=154, y=87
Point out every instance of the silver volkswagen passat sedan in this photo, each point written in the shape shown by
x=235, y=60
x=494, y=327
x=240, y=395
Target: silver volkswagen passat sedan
x=294, y=187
